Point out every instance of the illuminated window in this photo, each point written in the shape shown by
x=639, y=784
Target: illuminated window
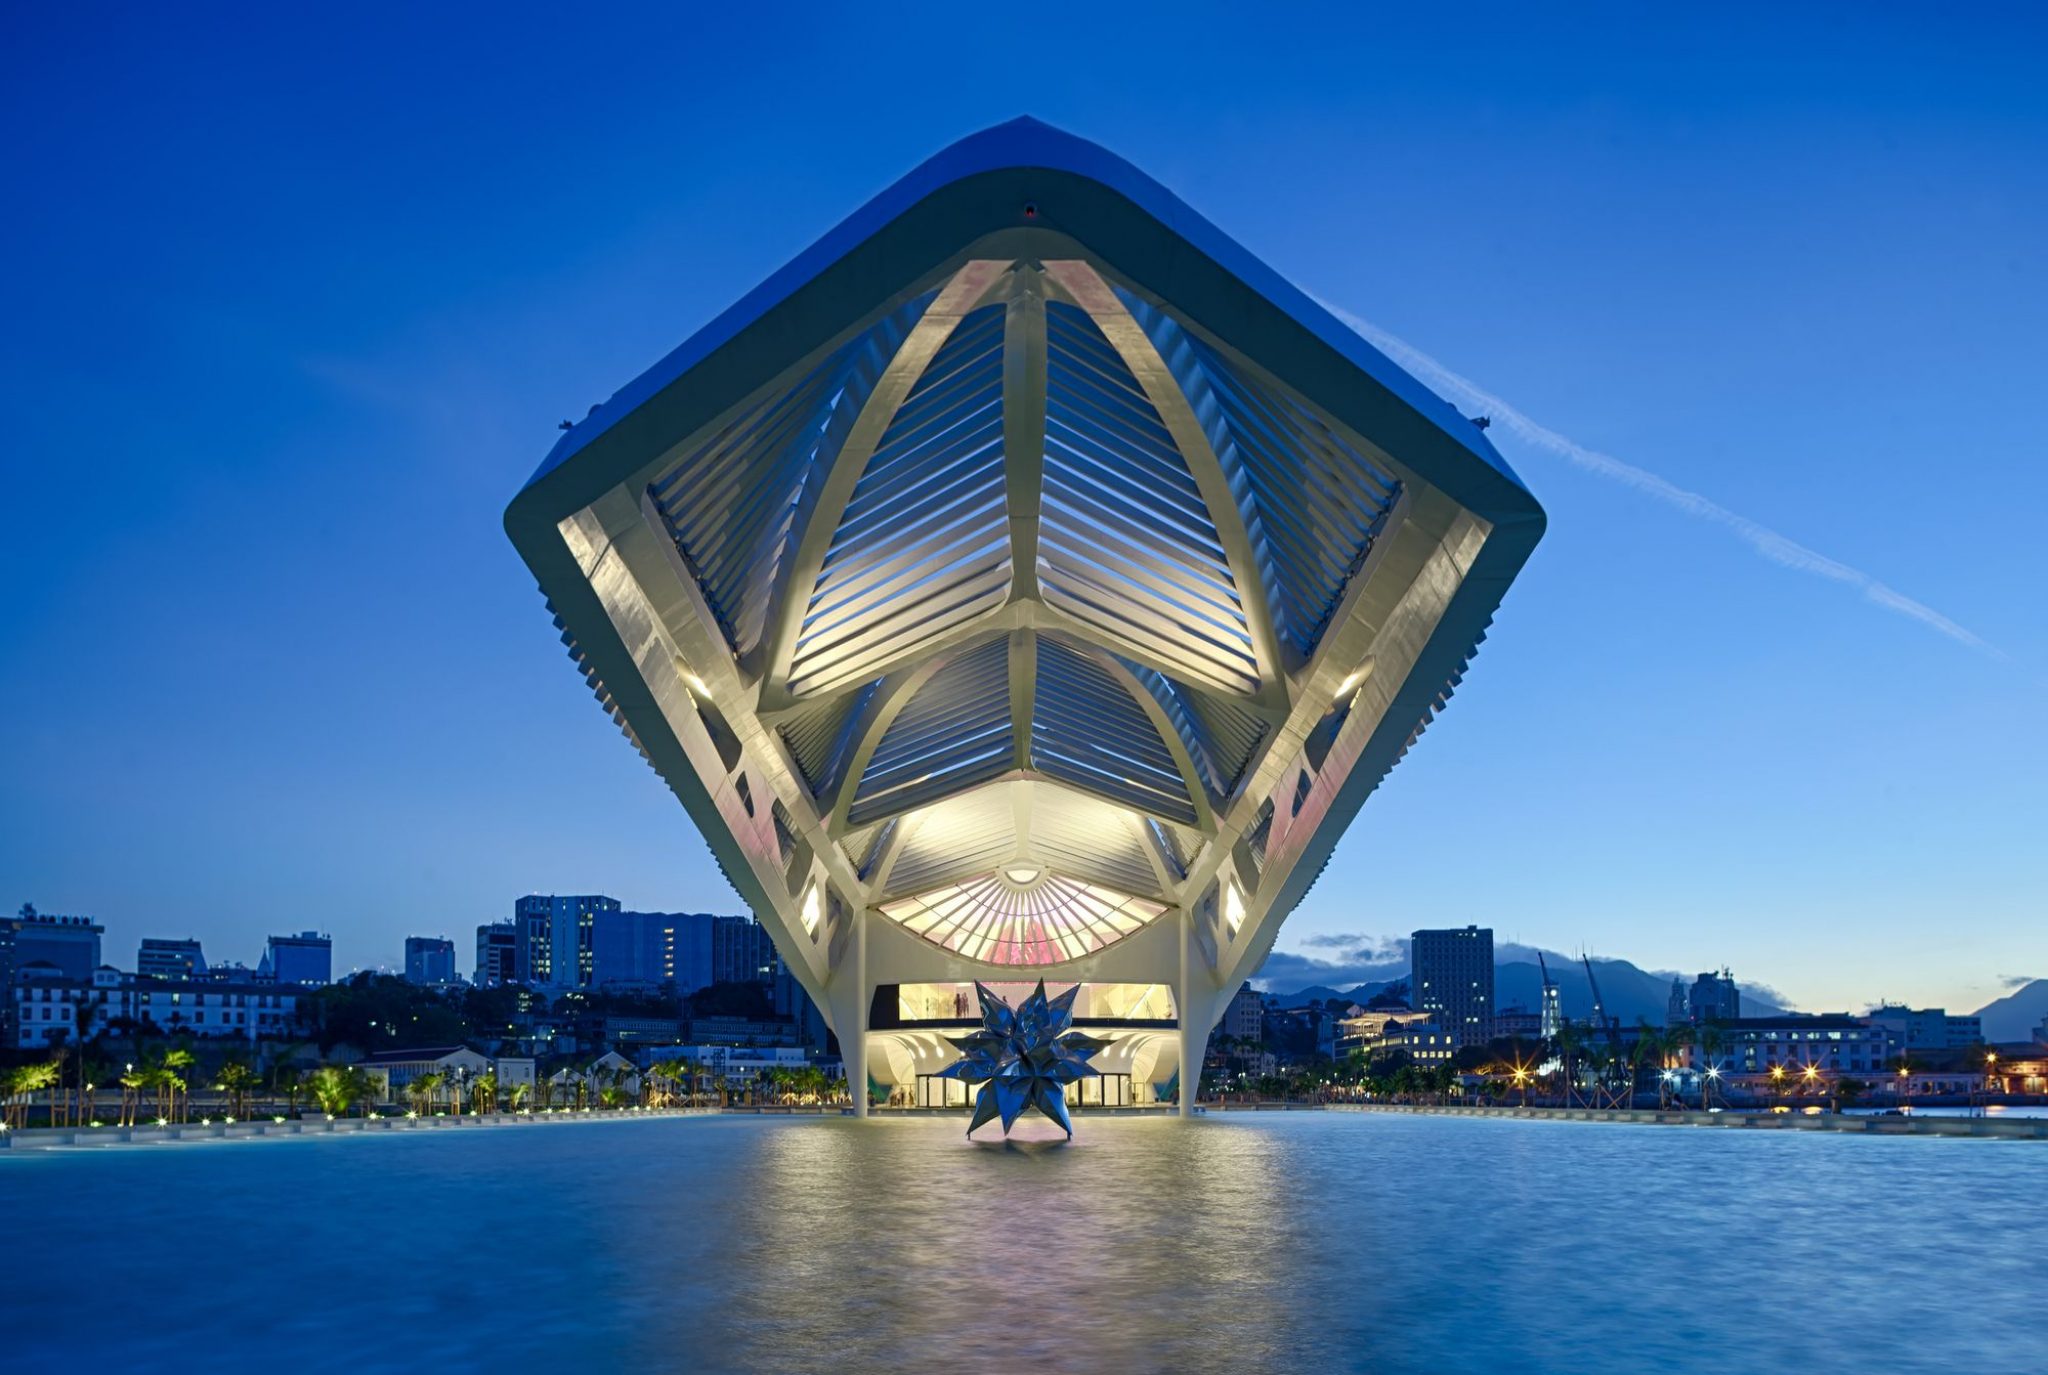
x=1233, y=907
x=812, y=910
x=1043, y=919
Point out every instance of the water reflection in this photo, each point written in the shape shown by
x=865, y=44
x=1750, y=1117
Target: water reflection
x=1308, y=1241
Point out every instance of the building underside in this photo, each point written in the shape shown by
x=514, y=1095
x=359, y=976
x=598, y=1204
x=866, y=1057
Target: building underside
x=1024, y=583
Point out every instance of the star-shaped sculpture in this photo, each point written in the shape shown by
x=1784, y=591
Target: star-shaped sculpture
x=1023, y=1057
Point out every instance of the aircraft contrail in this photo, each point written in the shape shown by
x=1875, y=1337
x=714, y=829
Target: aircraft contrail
x=1780, y=550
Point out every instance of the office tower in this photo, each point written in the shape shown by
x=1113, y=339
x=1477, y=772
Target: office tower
x=1454, y=981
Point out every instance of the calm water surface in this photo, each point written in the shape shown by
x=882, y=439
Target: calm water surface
x=1300, y=1241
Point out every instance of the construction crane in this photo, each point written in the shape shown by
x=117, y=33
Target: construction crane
x=1614, y=1050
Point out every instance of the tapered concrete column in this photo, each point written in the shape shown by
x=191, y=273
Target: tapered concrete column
x=1188, y=1006
x=849, y=996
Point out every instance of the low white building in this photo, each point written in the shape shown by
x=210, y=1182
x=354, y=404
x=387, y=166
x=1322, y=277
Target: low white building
x=1761, y=1055
x=739, y=1066
x=47, y=1006
x=396, y=1069
x=609, y=1070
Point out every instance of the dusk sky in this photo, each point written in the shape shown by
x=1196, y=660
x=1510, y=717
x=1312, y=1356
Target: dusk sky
x=293, y=305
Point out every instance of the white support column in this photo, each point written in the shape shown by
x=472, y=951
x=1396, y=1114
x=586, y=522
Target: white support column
x=1191, y=1010
x=849, y=995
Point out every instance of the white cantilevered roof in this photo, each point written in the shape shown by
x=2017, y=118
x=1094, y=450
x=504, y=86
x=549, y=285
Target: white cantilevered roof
x=1025, y=525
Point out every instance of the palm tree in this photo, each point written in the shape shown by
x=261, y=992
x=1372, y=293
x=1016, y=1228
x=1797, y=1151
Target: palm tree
x=360, y=1087
x=175, y=1062
x=23, y=1083
x=330, y=1087
x=421, y=1091
x=484, y=1093
x=518, y=1095
x=1649, y=1045
x=163, y=1081
x=1570, y=1042
x=289, y=1080
x=133, y=1082
x=236, y=1079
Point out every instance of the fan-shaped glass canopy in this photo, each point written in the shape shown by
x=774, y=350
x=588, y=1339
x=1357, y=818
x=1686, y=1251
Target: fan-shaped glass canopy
x=1022, y=915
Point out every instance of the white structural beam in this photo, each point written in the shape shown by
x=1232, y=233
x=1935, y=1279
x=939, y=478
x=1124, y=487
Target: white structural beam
x=818, y=519
x=1088, y=291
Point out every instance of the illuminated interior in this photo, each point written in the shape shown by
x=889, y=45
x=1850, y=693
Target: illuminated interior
x=938, y=1002
x=1022, y=915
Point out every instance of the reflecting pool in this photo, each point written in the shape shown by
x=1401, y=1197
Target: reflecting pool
x=1296, y=1241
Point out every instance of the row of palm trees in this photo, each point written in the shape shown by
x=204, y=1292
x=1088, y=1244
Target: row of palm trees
x=802, y=1084
x=429, y=1091
x=1599, y=1071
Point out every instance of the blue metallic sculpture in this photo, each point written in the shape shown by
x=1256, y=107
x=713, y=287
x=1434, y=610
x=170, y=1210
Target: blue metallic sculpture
x=1023, y=1057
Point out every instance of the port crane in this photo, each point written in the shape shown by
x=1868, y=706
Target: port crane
x=1615, y=1056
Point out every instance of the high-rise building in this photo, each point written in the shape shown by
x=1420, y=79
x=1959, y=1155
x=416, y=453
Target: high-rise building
x=793, y=1002
x=1715, y=999
x=630, y=949
x=70, y=944
x=741, y=951
x=429, y=960
x=497, y=953
x=557, y=938
x=1453, y=980
x=1245, y=1017
x=686, y=951
x=7, y=1027
x=161, y=958
x=1675, y=1013
x=307, y=959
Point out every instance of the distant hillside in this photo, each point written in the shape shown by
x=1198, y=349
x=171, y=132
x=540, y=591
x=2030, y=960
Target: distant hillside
x=1629, y=992
x=1357, y=993
x=2014, y=1017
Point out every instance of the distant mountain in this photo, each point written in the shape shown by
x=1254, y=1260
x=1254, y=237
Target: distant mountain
x=1357, y=993
x=2014, y=1017
x=1302, y=997
x=1629, y=992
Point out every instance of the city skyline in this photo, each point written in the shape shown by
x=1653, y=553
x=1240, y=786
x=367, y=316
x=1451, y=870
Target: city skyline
x=1678, y=752
x=1335, y=964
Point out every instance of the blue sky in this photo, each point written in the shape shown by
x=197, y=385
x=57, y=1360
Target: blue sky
x=293, y=305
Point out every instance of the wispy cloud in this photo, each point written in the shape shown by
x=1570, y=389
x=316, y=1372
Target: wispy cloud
x=1784, y=552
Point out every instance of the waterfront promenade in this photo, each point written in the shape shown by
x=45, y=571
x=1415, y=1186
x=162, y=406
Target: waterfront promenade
x=173, y=1133
x=103, y=1137
x=2005, y=1128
